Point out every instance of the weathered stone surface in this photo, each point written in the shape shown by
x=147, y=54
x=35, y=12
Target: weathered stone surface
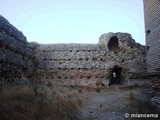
x=16, y=55
x=92, y=64
x=11, y=30
x=72, y=64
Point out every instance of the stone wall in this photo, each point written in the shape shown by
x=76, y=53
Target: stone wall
x=152, y=27
x=71, y=64
x=92, y=64
x=16, y=54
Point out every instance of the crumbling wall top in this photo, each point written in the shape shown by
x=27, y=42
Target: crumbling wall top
x=11, y=30
x=122, y=39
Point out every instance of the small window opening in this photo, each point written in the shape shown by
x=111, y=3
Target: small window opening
x=122, y=61
x=59, y=68
x=101, y=59
x=115, y=75
x=147, y=47
x=113, y=44
x=148, y=32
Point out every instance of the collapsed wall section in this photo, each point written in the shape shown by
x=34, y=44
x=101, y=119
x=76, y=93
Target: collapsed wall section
x=16, y=54
x=129, y=55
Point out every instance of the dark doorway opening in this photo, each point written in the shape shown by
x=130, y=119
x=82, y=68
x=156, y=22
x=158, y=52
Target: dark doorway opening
x=115, y=75
x=113, y=43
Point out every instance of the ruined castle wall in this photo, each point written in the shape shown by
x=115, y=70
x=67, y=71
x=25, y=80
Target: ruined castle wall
x=77, y=64
x=90, y=64
x=16, y=54
x=70, y=64
x=152, y=27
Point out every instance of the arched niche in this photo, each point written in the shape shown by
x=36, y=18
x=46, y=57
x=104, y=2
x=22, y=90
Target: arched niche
x=113, y=44
x=115, y=75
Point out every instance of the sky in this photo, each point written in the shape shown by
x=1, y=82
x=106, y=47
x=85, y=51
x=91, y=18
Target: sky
x=74, y=21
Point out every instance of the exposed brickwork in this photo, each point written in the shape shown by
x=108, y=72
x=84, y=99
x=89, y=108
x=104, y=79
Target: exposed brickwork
x=152, y=27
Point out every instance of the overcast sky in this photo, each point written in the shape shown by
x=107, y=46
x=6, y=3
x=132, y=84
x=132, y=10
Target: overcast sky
x=74, y=21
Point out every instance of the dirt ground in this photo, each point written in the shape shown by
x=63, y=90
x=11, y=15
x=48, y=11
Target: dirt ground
x=113, y=103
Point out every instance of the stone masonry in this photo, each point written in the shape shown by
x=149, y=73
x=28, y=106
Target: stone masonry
x=93, y=64
x=90, y=65
x=16, y=54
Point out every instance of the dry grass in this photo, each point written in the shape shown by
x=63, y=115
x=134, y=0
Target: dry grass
x=24, y=102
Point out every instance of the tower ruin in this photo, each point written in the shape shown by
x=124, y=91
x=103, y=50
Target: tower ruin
x=152, y=29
